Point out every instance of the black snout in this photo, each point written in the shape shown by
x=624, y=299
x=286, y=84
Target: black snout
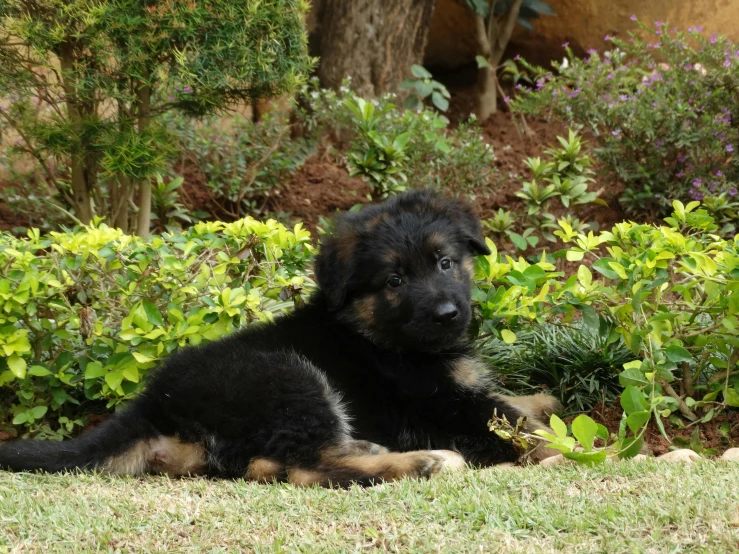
x=445, y=313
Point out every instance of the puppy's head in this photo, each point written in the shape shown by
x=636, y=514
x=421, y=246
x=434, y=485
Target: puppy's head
x=400, y=272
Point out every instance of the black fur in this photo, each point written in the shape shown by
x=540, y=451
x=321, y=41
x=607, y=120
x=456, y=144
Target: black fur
x=271, y=391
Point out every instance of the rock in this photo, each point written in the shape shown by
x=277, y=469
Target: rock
x=681, y=455
x=731, y=455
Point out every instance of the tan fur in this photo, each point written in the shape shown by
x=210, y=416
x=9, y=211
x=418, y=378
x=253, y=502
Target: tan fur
x=469, y=373
x=347, y=245
x=536, y=408
x=469, y=265
x=264, y=470
x=133, y=461
x=393, y=465
x=306, y=477
x=374, y=223
x=175, y=458
x=162, y=454
x=436, y=240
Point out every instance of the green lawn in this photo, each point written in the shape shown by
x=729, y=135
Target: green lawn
x=627, y=507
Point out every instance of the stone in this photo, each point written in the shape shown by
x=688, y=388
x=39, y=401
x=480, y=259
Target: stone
x=681, y=455
x=731, y=455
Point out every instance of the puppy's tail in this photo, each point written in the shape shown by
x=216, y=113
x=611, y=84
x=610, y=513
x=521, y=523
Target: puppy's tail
x=114, y=442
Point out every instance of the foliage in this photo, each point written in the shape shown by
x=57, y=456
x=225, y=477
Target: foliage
x=87, y=82
x=87, y=314
x=168, y=213
x=665, y=110
x=670, y=291
x=565, y=176
x=575, y=363
x=457, y=160
x=242, y=162
x=422, y=87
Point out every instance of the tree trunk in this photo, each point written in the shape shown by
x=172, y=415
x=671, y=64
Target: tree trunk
x=374, y=42
x=492, y=40
x=81, y=196
x=143, y=104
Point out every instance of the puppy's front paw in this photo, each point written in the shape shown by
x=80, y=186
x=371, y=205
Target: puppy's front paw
x=453, y=461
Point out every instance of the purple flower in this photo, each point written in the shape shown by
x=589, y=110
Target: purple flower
x=539, y=84
x=719, y=173
x=712, y=186
x=517, y=57
x=697, y=183
x=616, y=132
x=713, y=38
x=187, y=89
x=592, y=51
x=696, y=195
x=659, y=143
x=659, y=23
x=170, y=97
x=610, y=76
x=506, y=99
x=633, y=17
x=729, y=148
x=681, y=158
x=727, y=62
x=732, y=191
x=699, y=28
x=565, y=44
x=608, y=37
x=658, y=196
x=623, y=98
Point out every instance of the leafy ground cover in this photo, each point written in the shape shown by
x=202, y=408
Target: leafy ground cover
x=635, y=506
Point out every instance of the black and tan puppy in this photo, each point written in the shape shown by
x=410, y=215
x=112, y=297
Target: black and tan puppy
x=374, y=379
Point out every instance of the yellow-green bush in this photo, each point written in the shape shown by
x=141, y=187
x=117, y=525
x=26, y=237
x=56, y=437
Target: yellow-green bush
x=86, y=315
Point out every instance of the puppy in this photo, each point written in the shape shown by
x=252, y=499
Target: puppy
x=374, y=379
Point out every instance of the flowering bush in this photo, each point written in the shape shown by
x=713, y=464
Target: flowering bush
x=665, y=109
x=87, y=314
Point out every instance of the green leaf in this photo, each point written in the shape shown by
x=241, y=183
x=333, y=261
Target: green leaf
x=676, y=353
x=39, y=411
x=152, y=313
x=509, y=337
x=633, y=376
x=17, y=365
x=114, y=379
x=630, y=447
x=558, y=426
x=94, y=370
x=38, y=371
x=420, y=72
x=584, y=430
x=602, y=432
x=587, y=458
x=603, y=267
x=482, y=62
x=632, y=400
x=439, y=101
x=518, y=241
x=731, y=397
x=637, y=420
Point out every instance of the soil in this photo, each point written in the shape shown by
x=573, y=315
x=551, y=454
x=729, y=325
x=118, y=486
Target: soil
x=709, y=433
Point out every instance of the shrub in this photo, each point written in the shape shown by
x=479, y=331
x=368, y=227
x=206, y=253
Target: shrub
x=671, y=291
x=87, y=314
x=87, y=82
x=433, y=156
x=575, y=363
x=241, y=162
x=564, y=177
x=665, y=110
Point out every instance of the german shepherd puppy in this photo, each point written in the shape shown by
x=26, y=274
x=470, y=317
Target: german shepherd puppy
x=372, y=380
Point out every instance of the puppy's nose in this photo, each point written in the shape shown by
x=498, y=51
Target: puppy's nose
x=444, y=313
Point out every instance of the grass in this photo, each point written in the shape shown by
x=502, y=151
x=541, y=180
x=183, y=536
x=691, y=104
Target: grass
x=626, y=507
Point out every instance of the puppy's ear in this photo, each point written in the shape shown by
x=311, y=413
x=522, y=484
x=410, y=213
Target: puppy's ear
x=334, y=266
x=467, y=219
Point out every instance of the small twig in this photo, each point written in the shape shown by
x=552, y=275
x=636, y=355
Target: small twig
x=682, y=406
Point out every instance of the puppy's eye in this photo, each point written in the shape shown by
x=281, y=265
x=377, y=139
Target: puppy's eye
x=446, y=263
x=394, y=281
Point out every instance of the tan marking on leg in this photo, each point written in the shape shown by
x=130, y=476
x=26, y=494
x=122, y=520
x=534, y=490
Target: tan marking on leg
x=355, y=448
x=534, y=406
x=306, y=477
x=132, y=462
x=264, y=470
x=176, y=458
x=390, y=466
